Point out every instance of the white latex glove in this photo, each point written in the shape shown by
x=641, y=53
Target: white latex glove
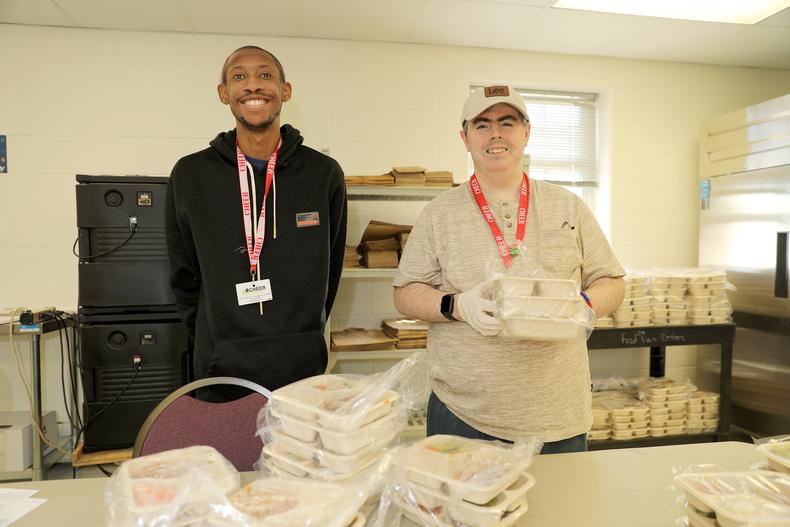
x=477, y=311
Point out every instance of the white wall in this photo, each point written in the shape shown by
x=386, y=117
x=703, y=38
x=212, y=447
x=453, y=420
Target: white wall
x=111, y=102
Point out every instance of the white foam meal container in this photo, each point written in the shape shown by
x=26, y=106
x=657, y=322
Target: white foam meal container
x=470, y=470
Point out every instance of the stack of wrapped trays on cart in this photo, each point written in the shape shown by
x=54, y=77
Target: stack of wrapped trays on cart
x=707, y=301
x=736, y=499
x=198, y=486
x=668, y=306
x=636, y=307
x=452, y=481
x=673, y=298
x=618, y=415
x=702, y=412
x=667, y=400
x=332, y=427
x=777, y=450
x=540, y=308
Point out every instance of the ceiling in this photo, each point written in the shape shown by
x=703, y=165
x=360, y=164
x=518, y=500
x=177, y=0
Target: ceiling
x=512, y=24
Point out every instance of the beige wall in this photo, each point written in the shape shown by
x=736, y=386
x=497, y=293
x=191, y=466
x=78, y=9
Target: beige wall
x=111, y=102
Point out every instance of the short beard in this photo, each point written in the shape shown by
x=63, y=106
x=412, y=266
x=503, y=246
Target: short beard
x=262, y=127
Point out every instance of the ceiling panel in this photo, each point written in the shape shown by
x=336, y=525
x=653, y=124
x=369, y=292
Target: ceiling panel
x=270, y=18
x=36, y=12
x=378, y=20
x=142, y=15
x=461, y=23
x=781, y=19
x=581, y=32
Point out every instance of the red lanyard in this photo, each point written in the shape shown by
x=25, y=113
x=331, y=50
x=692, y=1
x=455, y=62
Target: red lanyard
x=523, y=208
x=254, y=253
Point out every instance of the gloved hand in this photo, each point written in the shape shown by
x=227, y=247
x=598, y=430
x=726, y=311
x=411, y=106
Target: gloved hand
x=478, y=311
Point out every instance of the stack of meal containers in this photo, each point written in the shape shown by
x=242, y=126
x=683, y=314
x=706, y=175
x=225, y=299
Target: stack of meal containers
x=667, y=400
x=449, y=481
x=330, y=427
x=538, y=308
x=618, y=415
x=702, y=412
x=736, y=499
x=636, y=307
x=707, y=301
x=668, y=304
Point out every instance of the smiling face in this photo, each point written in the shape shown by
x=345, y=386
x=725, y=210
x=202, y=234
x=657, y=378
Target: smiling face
x=254, y=89
x=496, y=139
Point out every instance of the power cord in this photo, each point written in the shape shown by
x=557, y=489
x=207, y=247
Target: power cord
x=132, y=231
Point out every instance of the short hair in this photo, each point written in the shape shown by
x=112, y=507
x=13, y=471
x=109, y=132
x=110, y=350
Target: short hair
x=280, y=69
x=465, y=124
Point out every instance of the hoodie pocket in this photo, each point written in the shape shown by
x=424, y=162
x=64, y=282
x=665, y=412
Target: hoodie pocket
x=271, y=361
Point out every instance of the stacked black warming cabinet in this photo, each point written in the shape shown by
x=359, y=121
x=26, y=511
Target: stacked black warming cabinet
x=128, y=320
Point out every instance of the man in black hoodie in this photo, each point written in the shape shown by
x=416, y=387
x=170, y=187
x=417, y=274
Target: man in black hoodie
x=256, y=230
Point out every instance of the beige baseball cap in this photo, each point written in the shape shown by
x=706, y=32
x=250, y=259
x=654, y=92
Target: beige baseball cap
x=485, y=97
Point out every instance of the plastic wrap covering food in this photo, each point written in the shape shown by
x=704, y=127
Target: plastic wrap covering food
x=177, y=487
x=450, y=481
x=542, y=309
x=777, y=450
x=736, y=499
x=618, y=415
x=288, y=502
x=332, y=427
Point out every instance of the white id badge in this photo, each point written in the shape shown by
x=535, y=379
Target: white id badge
x=254, y=292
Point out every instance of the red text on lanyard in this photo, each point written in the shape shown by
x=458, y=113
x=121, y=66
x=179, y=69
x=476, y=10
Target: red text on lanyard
x=254, y=252
x=523, y=210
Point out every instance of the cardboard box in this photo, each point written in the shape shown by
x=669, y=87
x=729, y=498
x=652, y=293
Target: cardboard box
x=16, y=438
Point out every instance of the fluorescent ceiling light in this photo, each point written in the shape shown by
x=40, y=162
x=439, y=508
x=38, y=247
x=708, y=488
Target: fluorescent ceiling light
x=727, y=11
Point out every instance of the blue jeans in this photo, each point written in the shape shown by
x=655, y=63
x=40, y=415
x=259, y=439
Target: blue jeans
x=442, y=421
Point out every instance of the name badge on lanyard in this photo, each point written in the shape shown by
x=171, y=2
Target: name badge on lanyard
x=254, y=291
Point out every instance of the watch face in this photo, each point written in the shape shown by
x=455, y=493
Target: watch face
x=448, y=302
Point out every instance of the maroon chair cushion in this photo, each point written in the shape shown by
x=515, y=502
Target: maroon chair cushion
x=229, y=427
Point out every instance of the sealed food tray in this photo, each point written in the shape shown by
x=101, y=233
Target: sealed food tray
x=331, y=400
x=302, y=468
x=739, y=498
x=379, y=432
x=700, y=519
x=172, y=465
x=625, y=435
x=473, y=470
x=538, y=306
x=515, y=286
x=778, y=454
x=325, y=458
x=540, y=328
x=283, y=502
x=462, y=512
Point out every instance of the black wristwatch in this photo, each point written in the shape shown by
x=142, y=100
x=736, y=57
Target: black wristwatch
x=448, y=304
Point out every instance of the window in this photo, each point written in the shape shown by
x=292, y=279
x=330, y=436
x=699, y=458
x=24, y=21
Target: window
x=562, y=147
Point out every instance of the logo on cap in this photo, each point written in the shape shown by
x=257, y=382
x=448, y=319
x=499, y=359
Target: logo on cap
x=497, y=91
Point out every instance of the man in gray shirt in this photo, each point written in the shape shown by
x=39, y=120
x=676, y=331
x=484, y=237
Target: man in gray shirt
x=484, y=386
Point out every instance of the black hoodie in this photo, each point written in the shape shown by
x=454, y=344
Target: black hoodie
x=207, y=252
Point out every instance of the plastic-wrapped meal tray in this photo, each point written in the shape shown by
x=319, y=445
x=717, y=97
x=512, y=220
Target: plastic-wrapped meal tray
x=281, y=502
x=378, y=432
x=739, y=499
x=778, y=454
x=336, y=402
x=538, y=306
x=540, y=328
x=545, y=287
x=509, y=502
x=472, y=470
x=175, y=465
